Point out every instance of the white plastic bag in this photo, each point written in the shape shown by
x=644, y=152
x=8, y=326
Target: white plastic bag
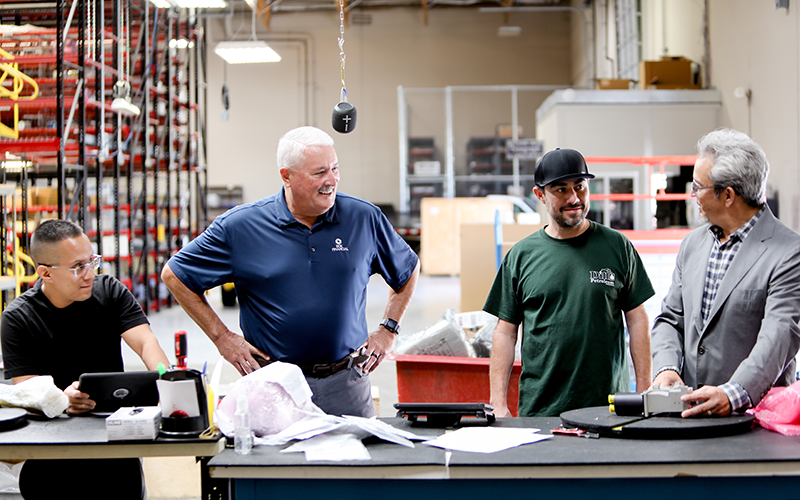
x=445, y=338
x=277, y=395
x=37, y=393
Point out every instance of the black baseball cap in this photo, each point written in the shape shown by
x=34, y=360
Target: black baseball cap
x=560, y=165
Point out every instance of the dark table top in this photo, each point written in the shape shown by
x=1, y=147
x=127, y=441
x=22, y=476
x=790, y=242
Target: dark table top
x=756, y=452
x=85, y=437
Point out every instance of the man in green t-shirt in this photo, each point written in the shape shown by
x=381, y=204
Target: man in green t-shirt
x=569, y=286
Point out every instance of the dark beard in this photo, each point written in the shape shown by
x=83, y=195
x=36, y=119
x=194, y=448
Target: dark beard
x=566, y=222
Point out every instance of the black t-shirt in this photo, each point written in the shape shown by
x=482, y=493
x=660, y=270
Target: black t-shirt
x=41, y=339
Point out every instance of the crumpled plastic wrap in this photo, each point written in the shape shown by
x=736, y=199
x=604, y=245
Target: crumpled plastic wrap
x=445, y=338
x=779, y=411
x=277, y=395
x=37, y=393
x=9, y=478
x=482, y=341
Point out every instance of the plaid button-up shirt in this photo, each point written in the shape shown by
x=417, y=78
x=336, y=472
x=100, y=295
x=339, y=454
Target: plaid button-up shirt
x=719, y=260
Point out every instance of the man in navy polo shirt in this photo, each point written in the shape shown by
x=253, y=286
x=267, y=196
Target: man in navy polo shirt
x=301, y=261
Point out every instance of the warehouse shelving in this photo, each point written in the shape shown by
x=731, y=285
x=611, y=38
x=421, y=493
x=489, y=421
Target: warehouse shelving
x=134, y=183
x=425, y=178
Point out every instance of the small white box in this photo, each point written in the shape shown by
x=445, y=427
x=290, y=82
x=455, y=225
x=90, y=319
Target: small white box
x=427, y=168
x=134, y=423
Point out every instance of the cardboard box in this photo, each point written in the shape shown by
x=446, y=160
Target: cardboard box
x=613, y=84
x=479, y=259
x=133, y=424
x=46, y=195
x=441, y=218
x=508, y=131
x=672, y=86
x=673, y=71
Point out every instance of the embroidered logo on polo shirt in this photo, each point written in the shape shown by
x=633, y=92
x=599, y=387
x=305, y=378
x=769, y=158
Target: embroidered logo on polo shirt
x=339, y=247
x=604, y=276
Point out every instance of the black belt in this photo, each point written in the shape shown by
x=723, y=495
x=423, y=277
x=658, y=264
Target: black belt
x=328, y=369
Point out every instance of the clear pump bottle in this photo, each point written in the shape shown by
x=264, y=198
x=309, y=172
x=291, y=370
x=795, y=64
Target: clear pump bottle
x=243, y=437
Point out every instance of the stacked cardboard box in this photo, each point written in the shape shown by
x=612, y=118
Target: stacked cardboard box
x=667, y=73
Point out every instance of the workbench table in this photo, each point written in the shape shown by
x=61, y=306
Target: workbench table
x=759, y=463
x=85, y=437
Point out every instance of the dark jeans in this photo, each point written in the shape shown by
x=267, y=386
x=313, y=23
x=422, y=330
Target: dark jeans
x=118, y=478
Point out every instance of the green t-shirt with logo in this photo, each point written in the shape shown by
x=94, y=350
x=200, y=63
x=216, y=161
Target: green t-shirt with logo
x=570, y=297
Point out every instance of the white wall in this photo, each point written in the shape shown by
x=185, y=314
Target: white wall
x=672, y=28
x=756, y=46
x=457, y=47
x=752, y=45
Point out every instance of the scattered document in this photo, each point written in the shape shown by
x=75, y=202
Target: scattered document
x=331, y=447
x=314, y=425
x=486, y=439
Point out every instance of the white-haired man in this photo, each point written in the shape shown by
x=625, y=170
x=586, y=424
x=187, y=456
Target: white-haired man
x=729, y=326
x=301, y=261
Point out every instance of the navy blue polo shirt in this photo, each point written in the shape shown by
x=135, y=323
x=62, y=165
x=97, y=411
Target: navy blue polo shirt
x=302, y=292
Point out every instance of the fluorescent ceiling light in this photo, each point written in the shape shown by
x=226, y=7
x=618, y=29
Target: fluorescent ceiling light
x=201, y=4
x=161, y=4
x=180, y=43
x=246, y=52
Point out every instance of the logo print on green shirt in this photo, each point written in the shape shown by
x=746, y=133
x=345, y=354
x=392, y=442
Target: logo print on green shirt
x=604, y=276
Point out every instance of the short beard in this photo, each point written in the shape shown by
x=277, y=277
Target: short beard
x=567, y=222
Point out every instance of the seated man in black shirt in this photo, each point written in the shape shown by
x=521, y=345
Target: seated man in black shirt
x=71, y=322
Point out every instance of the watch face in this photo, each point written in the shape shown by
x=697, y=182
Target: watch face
x=391, y=325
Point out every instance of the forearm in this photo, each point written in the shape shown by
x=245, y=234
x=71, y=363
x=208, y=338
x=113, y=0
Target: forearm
x=195, y=305
x=233, y=347
x=152, y=354
x=399, y=300
x=501, y=362
x=639, y=331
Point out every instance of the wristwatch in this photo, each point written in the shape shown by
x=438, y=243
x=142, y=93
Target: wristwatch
x=391, y=325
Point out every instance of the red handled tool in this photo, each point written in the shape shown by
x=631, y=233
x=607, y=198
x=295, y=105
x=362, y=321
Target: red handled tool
x=180, y=349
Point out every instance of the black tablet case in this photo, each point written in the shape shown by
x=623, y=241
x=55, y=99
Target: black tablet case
x=112, y=391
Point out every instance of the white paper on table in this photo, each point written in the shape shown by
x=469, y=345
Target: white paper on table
x=331, y=447
x=314, y=425
x=310, y=426
x=486, y=439
x=383, y=430
x=178, y=395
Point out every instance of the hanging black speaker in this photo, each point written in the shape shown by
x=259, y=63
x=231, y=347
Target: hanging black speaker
x=344, y=117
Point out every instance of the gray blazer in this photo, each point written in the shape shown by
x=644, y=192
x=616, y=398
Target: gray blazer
x=753, y=332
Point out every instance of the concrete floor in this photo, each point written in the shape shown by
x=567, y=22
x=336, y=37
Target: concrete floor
x=179, y=477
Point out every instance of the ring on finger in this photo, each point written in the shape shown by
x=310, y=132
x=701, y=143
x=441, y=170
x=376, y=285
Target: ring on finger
x=709, y=413
x=376, y=356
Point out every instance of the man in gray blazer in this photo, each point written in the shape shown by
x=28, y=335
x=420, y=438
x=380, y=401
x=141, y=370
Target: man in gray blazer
x=729, y=326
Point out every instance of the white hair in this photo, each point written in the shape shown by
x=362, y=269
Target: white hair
x=292, y=146
x=738, y=162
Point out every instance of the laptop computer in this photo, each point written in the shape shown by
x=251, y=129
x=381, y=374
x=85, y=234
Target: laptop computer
x=113, y=390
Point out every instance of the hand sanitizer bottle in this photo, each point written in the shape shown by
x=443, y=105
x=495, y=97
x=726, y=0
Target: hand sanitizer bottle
x=243, y=437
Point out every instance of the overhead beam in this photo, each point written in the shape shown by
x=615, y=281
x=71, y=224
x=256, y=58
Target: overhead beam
x=264, y=12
